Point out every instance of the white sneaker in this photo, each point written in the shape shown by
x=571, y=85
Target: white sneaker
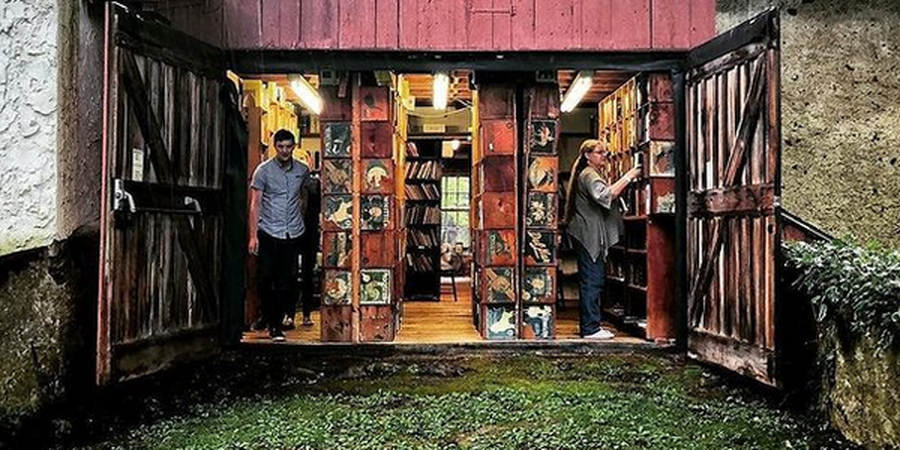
x=602, y=335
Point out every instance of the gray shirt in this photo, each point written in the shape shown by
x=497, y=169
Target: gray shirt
x=597, y=223
x=279, y=207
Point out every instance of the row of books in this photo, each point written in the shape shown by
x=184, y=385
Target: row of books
x=423, y=238
x=420, y=263
x=422, y=215
x=423, y=170
x=422, y=192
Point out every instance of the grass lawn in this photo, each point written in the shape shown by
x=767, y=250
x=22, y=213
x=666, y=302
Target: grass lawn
x=609, y=401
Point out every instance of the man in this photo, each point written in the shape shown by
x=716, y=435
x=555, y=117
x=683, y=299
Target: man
x=276, y=228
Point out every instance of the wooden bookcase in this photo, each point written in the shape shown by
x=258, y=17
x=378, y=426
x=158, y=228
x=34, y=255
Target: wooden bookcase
x=422, y=218
x=496, y=216
x=638, y=122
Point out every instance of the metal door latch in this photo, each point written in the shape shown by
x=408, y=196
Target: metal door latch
x=193, y=203
x=121, y=197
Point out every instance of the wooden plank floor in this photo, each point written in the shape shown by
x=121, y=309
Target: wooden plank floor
x=441, y=322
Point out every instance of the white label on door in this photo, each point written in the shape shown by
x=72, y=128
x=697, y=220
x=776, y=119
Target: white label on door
x=137, y=164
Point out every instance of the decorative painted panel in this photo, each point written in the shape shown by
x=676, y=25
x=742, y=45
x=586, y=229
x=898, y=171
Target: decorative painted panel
x=537, y=322
x=378, y=176
x=336, y=250
x=338, y=212
x=540, y=210
x=540, y=247
x=375, y=212
x=338, y=288
x=337, y=176
x=539, y=285
x=375, y=287
x=501, y=247
x=542, y=174
x=543, y=137
x=501, y=322
x=337, y=140
x=499, y=285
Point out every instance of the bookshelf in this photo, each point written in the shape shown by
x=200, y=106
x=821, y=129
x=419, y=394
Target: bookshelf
x=422, y=218
x=638, y=122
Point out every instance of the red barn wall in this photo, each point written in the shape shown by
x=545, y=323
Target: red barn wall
x=446, y=25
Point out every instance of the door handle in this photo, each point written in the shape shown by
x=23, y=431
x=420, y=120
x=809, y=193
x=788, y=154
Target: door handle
x=122, y=198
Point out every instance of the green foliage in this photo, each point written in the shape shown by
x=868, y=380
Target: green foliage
x=855, y=290
x=607, y=402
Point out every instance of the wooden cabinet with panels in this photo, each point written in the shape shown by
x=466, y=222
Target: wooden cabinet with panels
x=496, y=217
x=638, y=122
x=359, y=215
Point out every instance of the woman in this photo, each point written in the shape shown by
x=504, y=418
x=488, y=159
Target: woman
x=594, y=223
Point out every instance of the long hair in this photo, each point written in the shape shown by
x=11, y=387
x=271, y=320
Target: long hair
x=579, y=165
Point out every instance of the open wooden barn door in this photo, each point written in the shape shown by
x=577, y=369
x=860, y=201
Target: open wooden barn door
x=733, y=143
x=162, y=216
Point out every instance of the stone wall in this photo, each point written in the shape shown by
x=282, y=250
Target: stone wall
x=840, y=111
x=28, y=123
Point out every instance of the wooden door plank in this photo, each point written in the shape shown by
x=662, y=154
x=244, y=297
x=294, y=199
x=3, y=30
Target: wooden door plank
x=387, y=24
x=670, y=29
x=631, y=24
x=597, y=25
x=522, y=23
x=408, y=24
x=289, y=14
x=553, y=25
x=737, y=157
x=319, y=24
x=357, y=24
x=244, y=19
x=270, y=23
x=162, y=165
x=702, y=19
x=501, y=36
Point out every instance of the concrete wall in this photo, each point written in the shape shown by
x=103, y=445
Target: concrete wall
x=840, y=111
x=28, y=123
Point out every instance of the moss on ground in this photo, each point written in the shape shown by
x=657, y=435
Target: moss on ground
x=533, y=402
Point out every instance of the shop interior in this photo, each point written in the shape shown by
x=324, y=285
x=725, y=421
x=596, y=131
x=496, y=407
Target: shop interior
x=441, y=292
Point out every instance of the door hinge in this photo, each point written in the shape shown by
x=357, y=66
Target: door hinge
x=121, y=197
x=510, y=11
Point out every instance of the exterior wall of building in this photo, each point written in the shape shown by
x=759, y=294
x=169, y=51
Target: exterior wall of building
x=28, y=123
x=840, y=112
x=595, y=25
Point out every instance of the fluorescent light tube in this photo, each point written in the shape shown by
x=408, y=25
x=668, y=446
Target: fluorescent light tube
x=577, y=90
x=440, y=90
x=309, y=97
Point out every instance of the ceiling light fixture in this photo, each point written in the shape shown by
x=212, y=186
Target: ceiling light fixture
x=308, y=95
x=441, y=89
x=577, y=90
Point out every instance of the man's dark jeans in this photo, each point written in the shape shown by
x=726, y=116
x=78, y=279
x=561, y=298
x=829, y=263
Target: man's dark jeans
x=277, y=276
x=592, y=278
x=309, y=247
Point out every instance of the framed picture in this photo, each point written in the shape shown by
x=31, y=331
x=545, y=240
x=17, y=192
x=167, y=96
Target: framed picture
x=375, y=287
x=337, y=288
x=540, y=210
x=543, y=136
x=337, y=176
x=375, y=212
x=338, y=212
x=337, y=140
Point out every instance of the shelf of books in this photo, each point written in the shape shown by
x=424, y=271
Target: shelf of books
x=422, y=218
x=638, y=122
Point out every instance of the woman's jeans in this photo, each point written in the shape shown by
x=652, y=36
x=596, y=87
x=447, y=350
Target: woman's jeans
x=592, y=277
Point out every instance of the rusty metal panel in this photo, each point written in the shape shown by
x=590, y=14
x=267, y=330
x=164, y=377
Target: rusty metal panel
x=387, y=24
x=319, y=24
x=357, y=24
x=670, y=29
